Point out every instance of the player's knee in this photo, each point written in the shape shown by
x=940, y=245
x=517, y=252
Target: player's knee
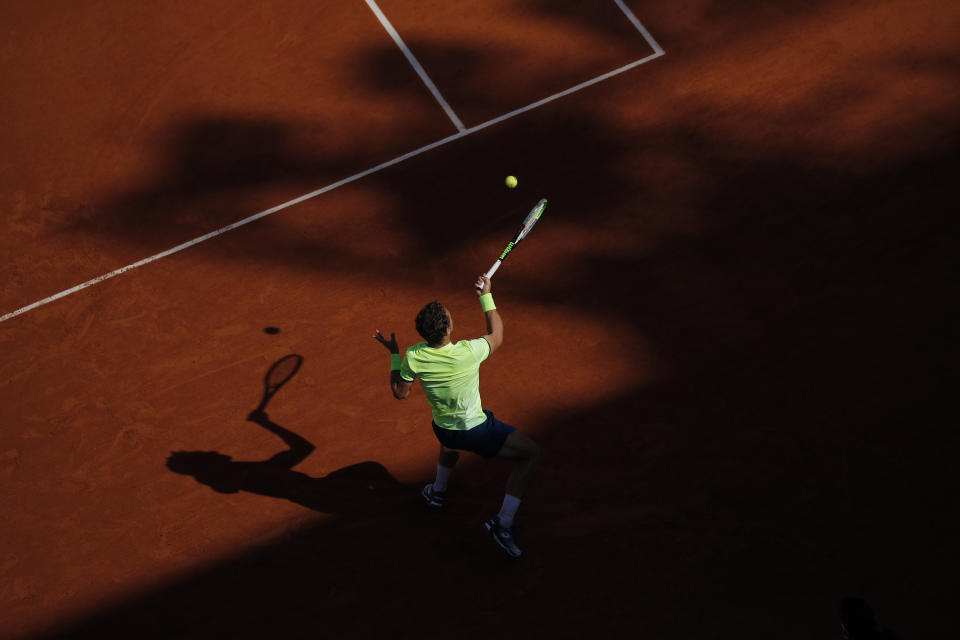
x=532, y=451
x=520, y=447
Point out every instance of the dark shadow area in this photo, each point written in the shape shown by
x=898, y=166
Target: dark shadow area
x=211, y=168
x=481, y=82
x=363, y=488
x=799, y=450
x=450, y=66
x=443, y=193
x=604, y=18
x=390, y=72
x=801, y=447
x=681, y=527
x=710, y=25
x=858, y=621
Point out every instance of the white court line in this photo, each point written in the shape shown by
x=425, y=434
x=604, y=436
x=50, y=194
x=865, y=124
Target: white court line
x=416, y=65
x=340, y=183
x=566, y=92
x=230, y=227
x=643, y=31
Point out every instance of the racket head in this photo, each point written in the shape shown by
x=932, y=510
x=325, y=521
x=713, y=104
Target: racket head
x=281, y=371
x=531, y=219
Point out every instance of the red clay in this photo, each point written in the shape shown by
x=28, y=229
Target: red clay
x=726, y=333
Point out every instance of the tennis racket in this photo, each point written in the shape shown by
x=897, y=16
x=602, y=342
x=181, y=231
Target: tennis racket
x=525, y=228
x=278, y=375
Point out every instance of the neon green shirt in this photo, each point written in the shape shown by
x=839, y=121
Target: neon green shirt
x=450, y=377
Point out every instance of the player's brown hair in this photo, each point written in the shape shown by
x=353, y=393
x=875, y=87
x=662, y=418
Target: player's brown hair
x=433, y=322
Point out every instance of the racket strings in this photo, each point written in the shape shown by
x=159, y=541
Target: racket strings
x=283, y=370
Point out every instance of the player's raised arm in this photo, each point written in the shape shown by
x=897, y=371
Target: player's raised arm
x=494, y=322
x=399, y=386
x=299, y=449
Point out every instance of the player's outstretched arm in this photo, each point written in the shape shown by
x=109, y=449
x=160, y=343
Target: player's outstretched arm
x=299, y=449
x=494, y=322
x=399, y=386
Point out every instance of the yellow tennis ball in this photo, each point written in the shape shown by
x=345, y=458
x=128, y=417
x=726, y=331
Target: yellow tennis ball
x=511, y=181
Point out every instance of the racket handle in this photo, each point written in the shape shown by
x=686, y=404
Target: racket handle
x=493, y=270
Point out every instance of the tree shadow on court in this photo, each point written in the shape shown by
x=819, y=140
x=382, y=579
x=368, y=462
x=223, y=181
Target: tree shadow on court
x=796, y=449
x=703, y=25
x=481, y=80
x=211, y=170
x=449, y=200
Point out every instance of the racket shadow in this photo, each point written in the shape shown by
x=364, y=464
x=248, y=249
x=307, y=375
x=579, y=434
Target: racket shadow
x=365, y=488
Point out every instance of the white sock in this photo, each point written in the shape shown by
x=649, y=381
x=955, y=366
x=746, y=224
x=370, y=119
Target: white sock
x=443, y=474
x=508, y=510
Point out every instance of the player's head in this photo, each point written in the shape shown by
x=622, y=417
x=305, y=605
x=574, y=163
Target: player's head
x=856, y=619
x=434, y=323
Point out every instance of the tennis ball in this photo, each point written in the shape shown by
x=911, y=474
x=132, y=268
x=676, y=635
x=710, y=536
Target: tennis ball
x=511, y=181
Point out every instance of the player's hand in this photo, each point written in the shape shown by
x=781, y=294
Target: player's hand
x=390, y=344
x=258, y=416
x=482, y=285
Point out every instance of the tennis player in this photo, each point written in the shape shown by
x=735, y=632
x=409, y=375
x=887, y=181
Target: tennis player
x=450, y=376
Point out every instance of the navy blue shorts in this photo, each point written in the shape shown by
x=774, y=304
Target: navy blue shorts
x=485, y=439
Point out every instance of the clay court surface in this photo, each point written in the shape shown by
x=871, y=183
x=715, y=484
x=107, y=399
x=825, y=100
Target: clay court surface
x=728, y=331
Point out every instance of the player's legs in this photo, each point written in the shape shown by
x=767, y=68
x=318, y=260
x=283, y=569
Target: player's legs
x=435, y=492
x=448, y=457
x=526, y=455
x=445, y=462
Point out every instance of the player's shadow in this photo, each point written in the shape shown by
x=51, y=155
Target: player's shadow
x=359, y=489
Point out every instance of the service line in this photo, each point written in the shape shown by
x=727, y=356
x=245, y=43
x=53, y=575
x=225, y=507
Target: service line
x=658, y=51
x=416, y=65
x=643, y=30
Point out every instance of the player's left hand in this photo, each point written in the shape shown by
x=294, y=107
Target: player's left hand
x=390, y=344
